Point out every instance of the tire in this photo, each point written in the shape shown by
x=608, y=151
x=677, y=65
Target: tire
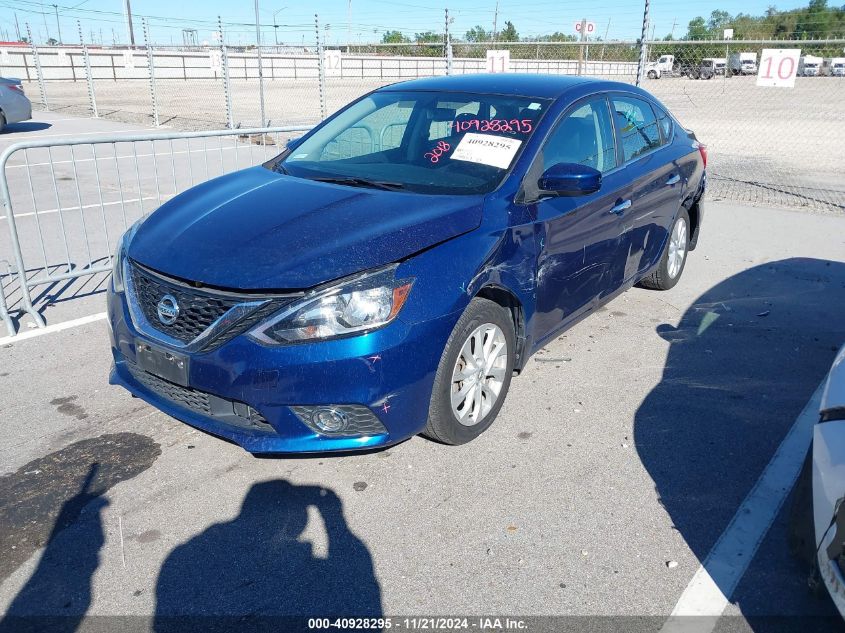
x=2, y=122
x=481, y=320
x=652, y=74
x=670, y=269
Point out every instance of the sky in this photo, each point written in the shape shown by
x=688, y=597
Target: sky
x=103, y=22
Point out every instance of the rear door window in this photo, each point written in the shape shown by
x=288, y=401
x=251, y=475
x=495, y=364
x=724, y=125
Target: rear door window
x=637, y=126
x=664, y=121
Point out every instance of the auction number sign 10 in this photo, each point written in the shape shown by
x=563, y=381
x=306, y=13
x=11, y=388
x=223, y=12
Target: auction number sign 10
x=778, y=67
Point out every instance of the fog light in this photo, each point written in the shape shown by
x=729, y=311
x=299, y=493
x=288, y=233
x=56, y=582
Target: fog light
x=340, y=420
x=329, y=420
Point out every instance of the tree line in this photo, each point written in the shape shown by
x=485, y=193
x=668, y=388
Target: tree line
x=815, y=21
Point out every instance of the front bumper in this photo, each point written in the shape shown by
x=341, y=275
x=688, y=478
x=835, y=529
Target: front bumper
x=390, y=371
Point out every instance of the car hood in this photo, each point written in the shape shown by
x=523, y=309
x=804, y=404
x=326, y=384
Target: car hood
x=260, y=230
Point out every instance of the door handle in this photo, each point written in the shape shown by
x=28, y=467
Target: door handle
x=619, y=207
x=674, y=180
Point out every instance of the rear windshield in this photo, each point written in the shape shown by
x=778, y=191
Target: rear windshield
x=426, y=142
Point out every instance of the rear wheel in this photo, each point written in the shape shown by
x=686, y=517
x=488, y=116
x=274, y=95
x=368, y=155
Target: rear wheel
x=652, y=74
x=674, y=256
x=474, y=374
x=2, y=122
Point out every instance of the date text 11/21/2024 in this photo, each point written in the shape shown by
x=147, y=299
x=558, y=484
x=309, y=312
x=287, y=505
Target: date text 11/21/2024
x=422, y=623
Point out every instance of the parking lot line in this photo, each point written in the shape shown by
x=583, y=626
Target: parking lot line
x=21, y=135
x=708, y=593
x=84, y=206
x=50, y=329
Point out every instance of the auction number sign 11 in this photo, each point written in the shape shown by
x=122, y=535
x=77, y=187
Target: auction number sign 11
x=778, y=67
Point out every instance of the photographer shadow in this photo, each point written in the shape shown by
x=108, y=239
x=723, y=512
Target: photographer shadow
x=256, y=573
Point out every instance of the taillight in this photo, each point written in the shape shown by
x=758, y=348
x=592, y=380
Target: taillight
x=702, y=148
x=15, y=87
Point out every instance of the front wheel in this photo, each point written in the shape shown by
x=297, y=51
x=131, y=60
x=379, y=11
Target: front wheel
x=652, y=74
x=674, y=256
x=474, y=374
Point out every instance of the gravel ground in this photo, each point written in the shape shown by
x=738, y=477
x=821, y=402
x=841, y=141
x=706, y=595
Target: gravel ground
x=768, y=146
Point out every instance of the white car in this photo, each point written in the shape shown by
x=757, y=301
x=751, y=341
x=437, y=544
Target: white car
x=14, y=104
x=818, y=513
x=829, y=484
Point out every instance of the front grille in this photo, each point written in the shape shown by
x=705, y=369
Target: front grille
x=198, y=309
x=229, y=411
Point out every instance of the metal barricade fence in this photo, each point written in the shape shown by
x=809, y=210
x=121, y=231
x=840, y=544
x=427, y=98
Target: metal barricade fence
x=67, y=202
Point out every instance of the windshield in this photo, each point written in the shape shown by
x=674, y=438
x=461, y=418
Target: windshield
x=749, y=61
x=426, y=142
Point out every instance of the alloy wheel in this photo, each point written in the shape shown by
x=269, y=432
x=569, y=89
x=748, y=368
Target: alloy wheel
x=479, y=374
x=677, y=248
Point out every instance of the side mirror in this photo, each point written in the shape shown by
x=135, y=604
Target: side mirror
x=570, y=179
x=293, y=143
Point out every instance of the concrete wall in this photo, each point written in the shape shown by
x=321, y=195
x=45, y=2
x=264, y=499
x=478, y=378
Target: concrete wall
x=67, y=64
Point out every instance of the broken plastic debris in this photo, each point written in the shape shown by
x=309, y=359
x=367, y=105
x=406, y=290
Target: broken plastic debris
x=671, y=564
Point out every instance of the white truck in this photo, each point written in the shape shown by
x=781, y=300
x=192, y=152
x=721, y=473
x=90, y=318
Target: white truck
x=663, y=66
x=719, y=65
x=742, y=63
x=834, y=67
x=809, y=66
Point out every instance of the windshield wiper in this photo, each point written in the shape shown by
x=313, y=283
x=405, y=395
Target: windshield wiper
x=352, y=181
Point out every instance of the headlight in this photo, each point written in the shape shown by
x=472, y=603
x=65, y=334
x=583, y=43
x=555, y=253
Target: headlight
x=356, y=305
x=120, y=255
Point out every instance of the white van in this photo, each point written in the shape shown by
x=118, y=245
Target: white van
x=834, y=67
x=742, y=63
x=809, y=66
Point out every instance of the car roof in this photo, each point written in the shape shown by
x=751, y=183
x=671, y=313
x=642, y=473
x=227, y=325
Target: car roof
x=517, y=84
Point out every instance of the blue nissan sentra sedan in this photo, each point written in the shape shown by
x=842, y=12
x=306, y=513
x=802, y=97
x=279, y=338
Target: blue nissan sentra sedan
x=388, y=273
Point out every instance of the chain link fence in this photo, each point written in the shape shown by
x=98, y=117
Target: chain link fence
x=776, y=146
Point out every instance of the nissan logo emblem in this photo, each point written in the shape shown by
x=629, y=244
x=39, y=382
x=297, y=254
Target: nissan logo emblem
x=168, y=310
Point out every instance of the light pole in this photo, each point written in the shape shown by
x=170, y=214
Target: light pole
x=260, y=69
x=58, y=26
x=276, y=26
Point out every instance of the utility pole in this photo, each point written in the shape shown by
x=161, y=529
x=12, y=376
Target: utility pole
x=44, y=15
x=58, y=26
x=447, y=52
x=128, y=8
x=606, y=33
x=642, y=62
x=581, y=48
x=17, y=27
x=674, y=22
x=260, y=70
x=348, y=24
x=276, y=26
x=495, y=21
